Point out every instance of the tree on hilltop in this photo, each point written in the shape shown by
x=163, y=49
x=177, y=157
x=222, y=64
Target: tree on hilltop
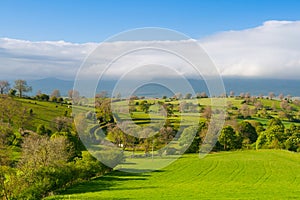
x=22, y=87
x=4, y=87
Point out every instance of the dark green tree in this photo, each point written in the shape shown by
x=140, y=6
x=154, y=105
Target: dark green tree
x=227, y=138
x=247, y=132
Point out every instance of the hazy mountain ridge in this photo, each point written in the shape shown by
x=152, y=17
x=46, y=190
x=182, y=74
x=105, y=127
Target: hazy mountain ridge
x=238, y=85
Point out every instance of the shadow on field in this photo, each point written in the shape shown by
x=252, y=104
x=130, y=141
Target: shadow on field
x=109, y=182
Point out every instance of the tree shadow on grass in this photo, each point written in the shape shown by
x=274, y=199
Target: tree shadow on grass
x=109, y=182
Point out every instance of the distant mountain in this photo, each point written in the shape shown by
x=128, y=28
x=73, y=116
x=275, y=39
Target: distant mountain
x=238, y=85
x=47, y=85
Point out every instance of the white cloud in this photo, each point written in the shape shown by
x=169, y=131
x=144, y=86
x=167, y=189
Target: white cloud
x=26, y=59
x=270, y=50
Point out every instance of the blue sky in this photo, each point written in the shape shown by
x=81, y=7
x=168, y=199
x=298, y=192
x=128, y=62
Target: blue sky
x=82, y=21
x=244, y=38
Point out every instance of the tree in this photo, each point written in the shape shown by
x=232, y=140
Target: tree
x=190, y=140
x=5, y=161
x=242, y=95
x=115, y=135
x=284, y=104
x=12, y=92
x=227, y=137
x=102, y=95
x=281, y=96
x=245, y=111
x=38, y=93
x=53, y=99
x=12, y=111
x=4, y=87
x=147, y=139
x=104, y=114
x=166, y=134
x=258, y=105
x=22, y=87
x=144, y=106
x=183, y=106
x=43, y=97
x=42, y=130
x=247, y=95
x=271, y=95
x=207, y=112
x=188, y=96
x=248, y=132
x=275, y=122
x=62, y=124
x=274, y=136
x=55, y=93
x=293, y=142
x=74, y=95
x=168, y=109
x=43, y=165
x=178, y=95
x=203, y=95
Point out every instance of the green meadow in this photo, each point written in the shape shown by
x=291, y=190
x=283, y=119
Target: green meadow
x=263, y=174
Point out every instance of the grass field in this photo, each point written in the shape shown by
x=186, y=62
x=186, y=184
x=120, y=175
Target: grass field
x=44, y=112
x=265, y=174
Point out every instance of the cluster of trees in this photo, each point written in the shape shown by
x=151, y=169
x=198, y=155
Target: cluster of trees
x=246, y=135
x=233, y=136
x=19, y=87
x=13, y=114
x=138, y=138
x=54, y=96
x=285, y=108
x=34, y=161
x=127, y=135
x=46, y=164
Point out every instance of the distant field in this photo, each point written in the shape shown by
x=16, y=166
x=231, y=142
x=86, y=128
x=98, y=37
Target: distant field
x=265, y=174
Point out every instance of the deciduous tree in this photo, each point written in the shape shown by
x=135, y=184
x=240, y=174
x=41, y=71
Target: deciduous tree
x=22, y=87
x=227, y=138
x=4, y=87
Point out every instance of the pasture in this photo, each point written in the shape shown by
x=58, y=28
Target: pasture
x=263, y=174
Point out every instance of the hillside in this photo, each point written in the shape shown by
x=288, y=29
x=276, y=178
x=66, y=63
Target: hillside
x=265, y=174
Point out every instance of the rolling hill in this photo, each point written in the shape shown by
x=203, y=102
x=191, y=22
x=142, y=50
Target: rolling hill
x=265, y=174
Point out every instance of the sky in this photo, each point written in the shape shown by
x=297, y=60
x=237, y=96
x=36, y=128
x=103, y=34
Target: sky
x=257, y=38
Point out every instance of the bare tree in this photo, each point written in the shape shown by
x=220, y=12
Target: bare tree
x=245, y=111
x=284, y=104
x=203, y=95
x=207, y=112
x=4, y=87
x=281, y=96
x=74, y=95
x=55, y=93
x=271, y=95
x=22, y=87
x=258, y=105
x=188, y=96
x=247, y=95
x=242, y=95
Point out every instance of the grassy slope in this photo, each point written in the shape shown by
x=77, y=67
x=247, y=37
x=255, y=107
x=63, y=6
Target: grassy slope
x=44, y=112
x=266, y=174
